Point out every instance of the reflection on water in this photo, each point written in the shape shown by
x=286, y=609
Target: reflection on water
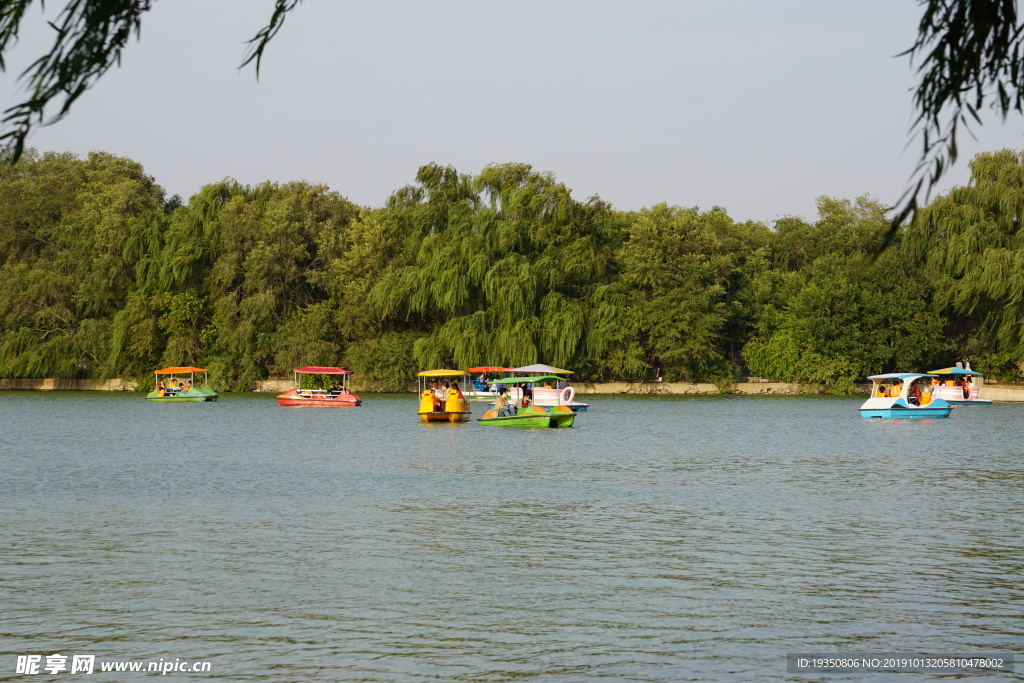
x=658, y=540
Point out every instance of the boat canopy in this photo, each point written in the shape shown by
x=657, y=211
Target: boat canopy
x=542, y=369
x=322, y=370
x=488, y=368
x=441, y=373
x=954, y=371
x=902, y=375
x=179, y=370
x=526, y=380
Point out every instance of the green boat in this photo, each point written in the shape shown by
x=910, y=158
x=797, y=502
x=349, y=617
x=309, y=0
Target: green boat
x=174, y=389
x=532, y=417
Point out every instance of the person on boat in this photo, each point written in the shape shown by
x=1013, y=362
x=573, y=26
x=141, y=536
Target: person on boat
x=335, y=390
x=882, y=391
x=894, y=390
x=502, y=406
x=526, y=400
x=915, y=395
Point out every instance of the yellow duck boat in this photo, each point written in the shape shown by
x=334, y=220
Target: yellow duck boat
x=442, y=405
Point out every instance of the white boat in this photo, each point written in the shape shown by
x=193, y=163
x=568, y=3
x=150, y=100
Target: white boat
x=903, y=396
x=559, y=393
x=956, y=386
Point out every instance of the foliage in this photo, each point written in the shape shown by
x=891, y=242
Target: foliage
x=1001, y=367
x=841, y=318
x=73, y=237
x=89, y=36
x=970, y=245
x=971, y=53
x=100, y=276
x=675, y=268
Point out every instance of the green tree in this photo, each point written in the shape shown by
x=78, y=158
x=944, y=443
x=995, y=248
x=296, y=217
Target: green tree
x=969, y=243
x=826, y=316
x=676, y=269
x=74, y=235
x=495, y=269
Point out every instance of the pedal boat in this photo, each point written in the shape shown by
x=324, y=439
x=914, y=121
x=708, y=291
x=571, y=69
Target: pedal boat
x=544, y=396
x=339, y=397
x=195, y=393
x=904, y=406
x=451, y=409
x=954, y=393
x=532, y=417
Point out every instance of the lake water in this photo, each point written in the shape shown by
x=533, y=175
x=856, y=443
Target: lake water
x=661, y=539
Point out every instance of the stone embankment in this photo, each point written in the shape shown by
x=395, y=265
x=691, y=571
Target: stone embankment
x=991, y=390
x=69, y=384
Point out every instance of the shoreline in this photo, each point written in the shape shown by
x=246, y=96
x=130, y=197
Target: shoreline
x=991, y=390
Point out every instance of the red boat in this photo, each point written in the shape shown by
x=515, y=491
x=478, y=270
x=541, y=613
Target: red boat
x=338, y=396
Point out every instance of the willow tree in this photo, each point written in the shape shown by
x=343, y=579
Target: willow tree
x=970, y=244
x=89, y=37
x=73, y=236
x=495, y=269
x=240, y=286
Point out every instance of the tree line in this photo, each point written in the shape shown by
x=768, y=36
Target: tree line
x=102, y=275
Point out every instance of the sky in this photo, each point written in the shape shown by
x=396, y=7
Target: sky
x=754, y=106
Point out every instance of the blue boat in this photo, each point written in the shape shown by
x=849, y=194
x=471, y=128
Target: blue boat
x=903, y=396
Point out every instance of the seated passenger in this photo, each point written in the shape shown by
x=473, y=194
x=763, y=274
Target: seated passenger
x=895, y=389
x=502, y=406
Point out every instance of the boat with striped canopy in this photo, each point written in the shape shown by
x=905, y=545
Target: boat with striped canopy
x=172, y=388
x=337, y=396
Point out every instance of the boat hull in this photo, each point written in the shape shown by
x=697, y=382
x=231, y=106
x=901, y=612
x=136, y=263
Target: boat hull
x=193, y=395
x=906, y=413
x=530, y=421
x=442, y=416
x=561, y=416
x=899, y=409
x=294, y=399
x=531, y=418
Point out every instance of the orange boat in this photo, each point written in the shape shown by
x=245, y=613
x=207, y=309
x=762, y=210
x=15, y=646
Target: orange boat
x=338, y=396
